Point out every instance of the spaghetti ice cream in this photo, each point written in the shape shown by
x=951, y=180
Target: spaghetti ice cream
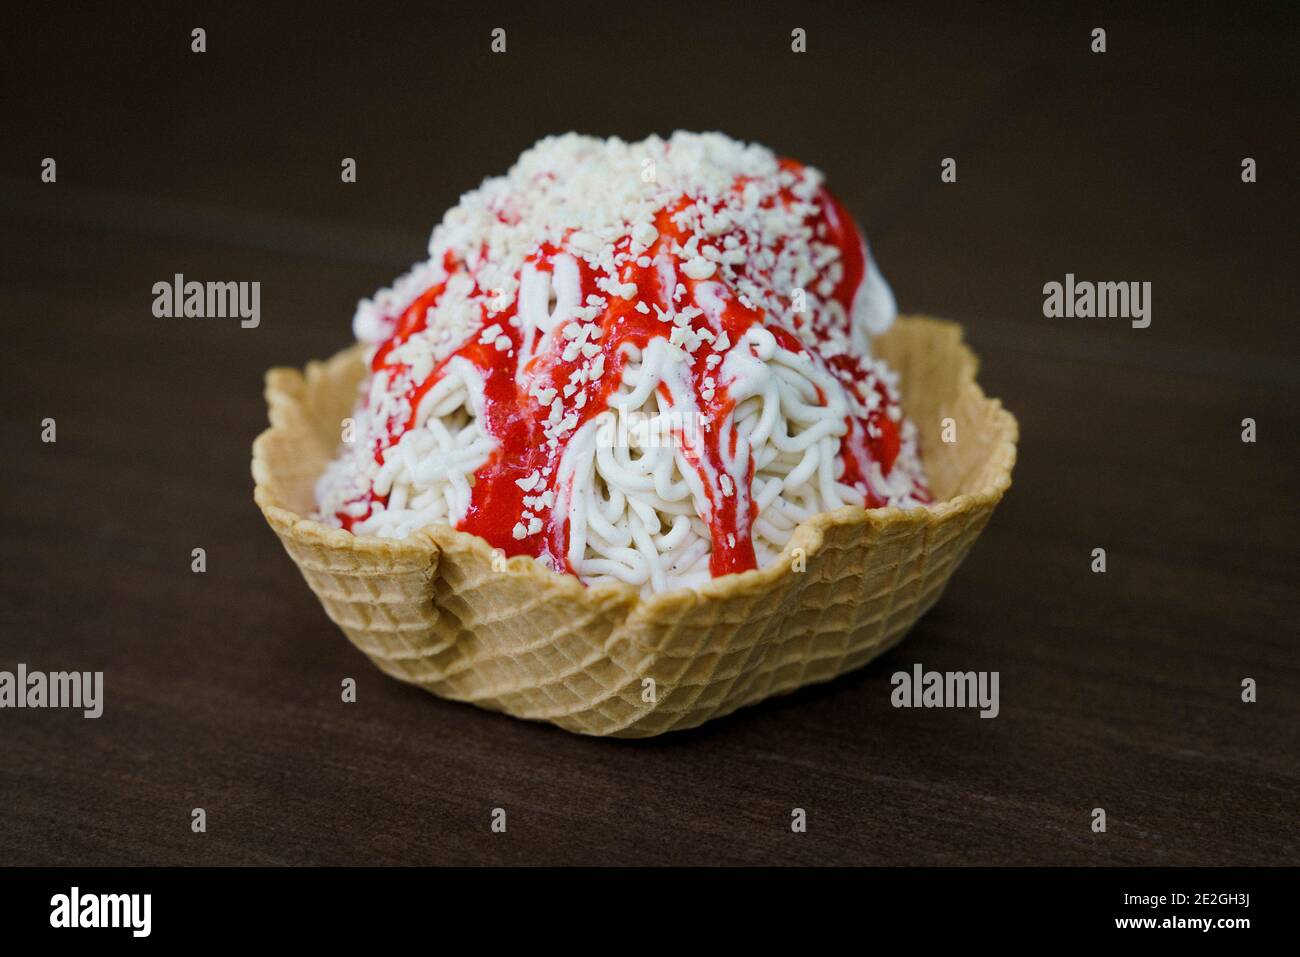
x=639, y=362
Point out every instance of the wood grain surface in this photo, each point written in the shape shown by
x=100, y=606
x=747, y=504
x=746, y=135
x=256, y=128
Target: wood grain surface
x=1119, y=690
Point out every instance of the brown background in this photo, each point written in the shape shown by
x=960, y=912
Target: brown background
x=222, y=690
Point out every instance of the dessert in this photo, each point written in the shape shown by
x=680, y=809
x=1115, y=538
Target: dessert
x=639, y=362
x=640, y=443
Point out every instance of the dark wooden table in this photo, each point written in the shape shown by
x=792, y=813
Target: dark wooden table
x=1119, y=690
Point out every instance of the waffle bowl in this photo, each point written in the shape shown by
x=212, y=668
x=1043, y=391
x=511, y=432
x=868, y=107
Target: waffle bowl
x=442, y=610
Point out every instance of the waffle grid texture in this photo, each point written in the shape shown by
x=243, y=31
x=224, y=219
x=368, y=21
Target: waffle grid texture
x=439, y=610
